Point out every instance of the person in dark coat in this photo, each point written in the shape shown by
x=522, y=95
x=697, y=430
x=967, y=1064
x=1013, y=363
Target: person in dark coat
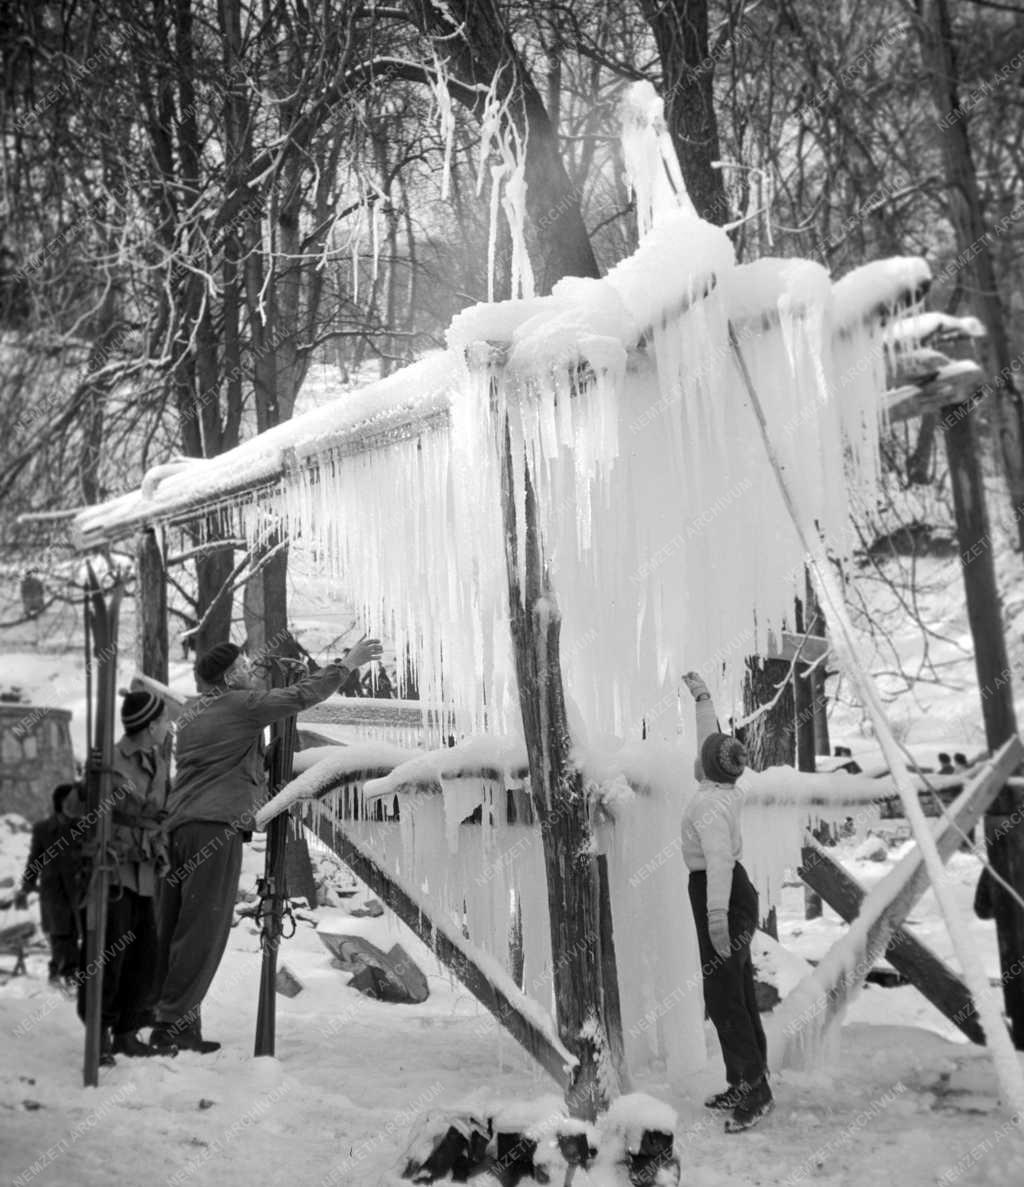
x=220, y=781
x=53, y=870
x=139, y=852
x=725, y=911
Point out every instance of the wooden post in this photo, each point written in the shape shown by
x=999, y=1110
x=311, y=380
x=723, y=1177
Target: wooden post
x=1003, y=831
x=151, y=607
x=806, y=733
x=586, y=1016
x=771, y=739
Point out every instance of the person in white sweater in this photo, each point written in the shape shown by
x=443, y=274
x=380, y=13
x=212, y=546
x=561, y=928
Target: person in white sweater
x=725, y=911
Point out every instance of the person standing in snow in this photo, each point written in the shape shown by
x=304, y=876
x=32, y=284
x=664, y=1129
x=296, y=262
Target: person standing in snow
x=219, y=783
x=725, y=911
x=138, y=851
x=52, y=870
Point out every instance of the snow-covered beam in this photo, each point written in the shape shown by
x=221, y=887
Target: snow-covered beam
x=955, y=383
x=409, y=402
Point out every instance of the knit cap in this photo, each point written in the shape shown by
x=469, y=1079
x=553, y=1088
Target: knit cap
x=723, y=758
x=212, y=664
x=139, y=709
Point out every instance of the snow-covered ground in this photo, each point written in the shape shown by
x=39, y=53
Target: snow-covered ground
x=910, y=1102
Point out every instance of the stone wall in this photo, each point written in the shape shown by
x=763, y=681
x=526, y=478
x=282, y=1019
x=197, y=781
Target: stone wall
x=35, y=755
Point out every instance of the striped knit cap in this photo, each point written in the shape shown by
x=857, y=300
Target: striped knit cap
x=139, y=709
x=723, y=758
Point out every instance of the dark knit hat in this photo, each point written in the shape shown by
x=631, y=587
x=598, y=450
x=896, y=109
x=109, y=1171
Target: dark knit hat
x=212, y=664
x=139, y=709
x=723, y=758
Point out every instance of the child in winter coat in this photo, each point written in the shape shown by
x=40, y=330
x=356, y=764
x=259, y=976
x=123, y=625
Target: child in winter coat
x=53, y=869
x=139, y=853
x=725, y=911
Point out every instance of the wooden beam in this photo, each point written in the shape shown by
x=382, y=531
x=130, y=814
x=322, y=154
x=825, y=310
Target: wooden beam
x=956, y=383
x=791, y=643
x=911, y=876
x=511, y=1008
x=939, y=984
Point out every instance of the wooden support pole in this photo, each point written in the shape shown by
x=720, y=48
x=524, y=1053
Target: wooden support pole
x=512, y=1008
x=984, y=613
x=151, y=607
x=803, y=704
x=587, y=1016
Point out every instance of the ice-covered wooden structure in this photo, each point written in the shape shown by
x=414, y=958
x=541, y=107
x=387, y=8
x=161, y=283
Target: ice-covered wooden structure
x=584, y=496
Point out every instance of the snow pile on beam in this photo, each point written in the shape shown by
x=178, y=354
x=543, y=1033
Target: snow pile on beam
x=393, y=407
x=338, y=766
x=504, y=756
x=875, y=291
x=924, y=326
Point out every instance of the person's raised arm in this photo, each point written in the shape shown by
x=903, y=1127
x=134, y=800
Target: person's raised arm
x=704, y=708
x=278, y=703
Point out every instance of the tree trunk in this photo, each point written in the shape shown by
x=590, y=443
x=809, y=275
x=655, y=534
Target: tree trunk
x=770, y=739
x=935, y=30
x=151, y=608
x=680, y=29
x=1003, y=832
x=580, y=960
x=473, y=36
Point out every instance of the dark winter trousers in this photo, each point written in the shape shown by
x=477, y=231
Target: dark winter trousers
x=729, y=984
x=65, y=956
x=129, y=963
x=197, y=905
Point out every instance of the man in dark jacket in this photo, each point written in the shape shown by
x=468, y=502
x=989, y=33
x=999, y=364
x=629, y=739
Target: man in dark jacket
x=219, y=783
x=53, y=870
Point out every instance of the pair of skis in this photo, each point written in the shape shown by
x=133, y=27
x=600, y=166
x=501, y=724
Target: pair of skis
x=102, y=609
x=273, y=888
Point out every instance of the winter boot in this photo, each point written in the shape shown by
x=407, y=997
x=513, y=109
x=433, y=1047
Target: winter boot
x=756, y=1103
x=107, y=1049
x=129, y=1043
x=163, y=1039
x=725, y=1101
x=191, y=1039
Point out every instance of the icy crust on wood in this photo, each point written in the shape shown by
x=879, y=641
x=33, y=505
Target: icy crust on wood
x=675, y=265
x=393, y=405
x=340, y=765
x=644, y=786
x=536, y=1119
x=921, y=327
x=643, y=461
x=505, y=756
x=631, y=1115
x=874, y=291
x=776, y=288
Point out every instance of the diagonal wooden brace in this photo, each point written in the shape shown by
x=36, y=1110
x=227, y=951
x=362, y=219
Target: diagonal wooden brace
x=511, y=1007
x=908, y=955
x=912, y=958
